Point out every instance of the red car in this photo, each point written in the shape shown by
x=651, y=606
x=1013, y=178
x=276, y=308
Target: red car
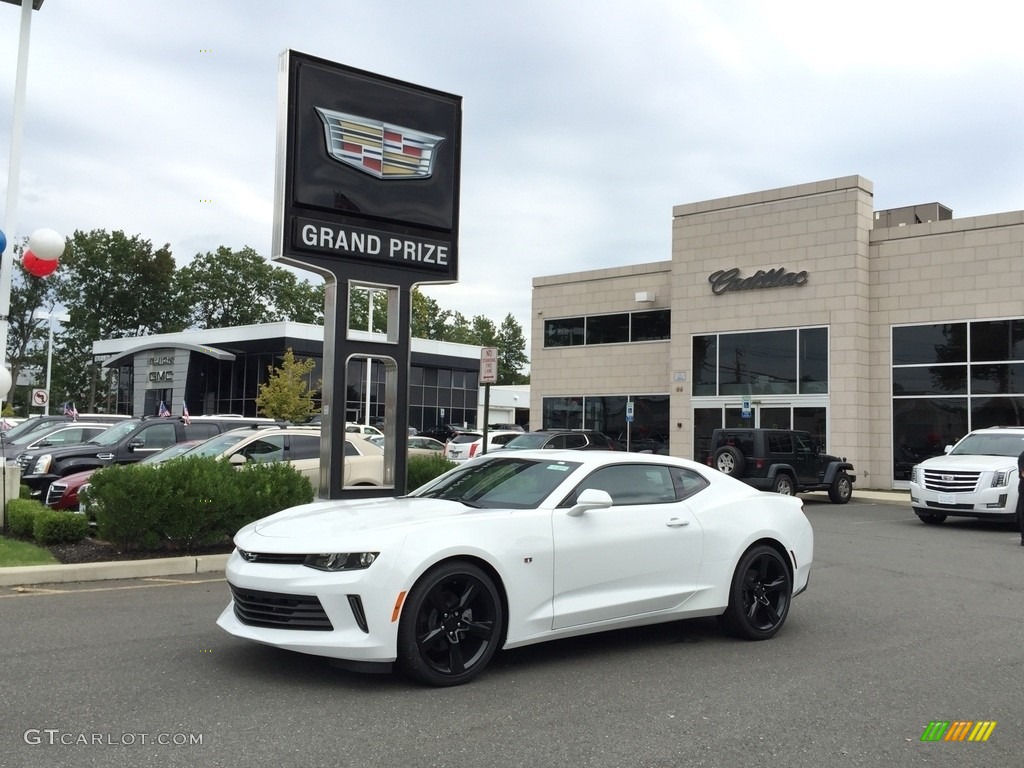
x=63, y=493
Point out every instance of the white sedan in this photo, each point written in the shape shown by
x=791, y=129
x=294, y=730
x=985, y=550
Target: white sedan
x=515, y=548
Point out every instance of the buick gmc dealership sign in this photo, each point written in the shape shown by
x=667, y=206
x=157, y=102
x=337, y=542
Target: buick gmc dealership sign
x=368, y=172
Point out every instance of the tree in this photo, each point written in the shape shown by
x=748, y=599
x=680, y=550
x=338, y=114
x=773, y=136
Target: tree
x=27, y=336
x=286, y=394
x=112, y=286
x=512, y=357
x=231, y=288
x=428, y=319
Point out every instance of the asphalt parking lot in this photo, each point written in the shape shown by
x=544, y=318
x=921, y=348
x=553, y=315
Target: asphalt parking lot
x=903, y=624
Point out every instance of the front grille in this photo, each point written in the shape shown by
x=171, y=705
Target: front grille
x=269, y=558
x=945, y=481
x=278, y=611
x=54, y=492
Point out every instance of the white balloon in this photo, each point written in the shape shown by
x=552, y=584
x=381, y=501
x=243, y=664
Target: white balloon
x=46, y=244
x=5, y=383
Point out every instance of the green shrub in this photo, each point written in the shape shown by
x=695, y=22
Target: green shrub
x=422, y=469
x=53, y=526
x=124, y=501
x=196, y=496
x=21, y=516
x=263, y=489
x=24, y=492
x=189, y=502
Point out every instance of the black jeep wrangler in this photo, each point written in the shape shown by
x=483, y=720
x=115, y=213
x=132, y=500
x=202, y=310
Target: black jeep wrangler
x=784, y=461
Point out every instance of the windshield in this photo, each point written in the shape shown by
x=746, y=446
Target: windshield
x=115, y=433
x=990, y=445
x=216, y=445
x=507, y=483
x=528, y=440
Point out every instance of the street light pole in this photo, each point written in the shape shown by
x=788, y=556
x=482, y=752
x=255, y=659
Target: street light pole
x=62, y=318
x=14, y=172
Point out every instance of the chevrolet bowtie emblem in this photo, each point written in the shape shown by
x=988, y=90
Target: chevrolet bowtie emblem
x=380, y=149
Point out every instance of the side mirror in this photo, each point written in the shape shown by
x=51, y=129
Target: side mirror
x=237, y=460
x=592, y=498
x=134, y=444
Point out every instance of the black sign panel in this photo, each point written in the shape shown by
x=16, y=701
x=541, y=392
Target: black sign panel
x=368, y=170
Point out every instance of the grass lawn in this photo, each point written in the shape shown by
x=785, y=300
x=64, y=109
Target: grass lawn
x=14, y=552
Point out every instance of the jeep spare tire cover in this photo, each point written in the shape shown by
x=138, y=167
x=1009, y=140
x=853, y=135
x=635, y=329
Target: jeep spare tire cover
x=729, y=461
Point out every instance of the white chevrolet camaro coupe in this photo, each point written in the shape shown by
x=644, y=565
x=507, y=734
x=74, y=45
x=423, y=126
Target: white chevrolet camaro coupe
x=515, y=548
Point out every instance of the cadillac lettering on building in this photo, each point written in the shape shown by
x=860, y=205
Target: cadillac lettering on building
x=376, y=245
x=725, y=280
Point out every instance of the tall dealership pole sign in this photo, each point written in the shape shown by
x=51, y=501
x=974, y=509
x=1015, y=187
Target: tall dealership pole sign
x=367, y=195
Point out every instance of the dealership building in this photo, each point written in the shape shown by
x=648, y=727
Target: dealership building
x=220, y=370
x=885, y=333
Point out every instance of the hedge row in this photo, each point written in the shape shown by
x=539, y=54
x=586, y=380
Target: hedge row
x=188, y=502
x=30, y=519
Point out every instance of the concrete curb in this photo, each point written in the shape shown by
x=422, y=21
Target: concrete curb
x=128, y=569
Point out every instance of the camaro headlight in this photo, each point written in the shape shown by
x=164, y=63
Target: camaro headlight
x=341, y=561
x=42, y=465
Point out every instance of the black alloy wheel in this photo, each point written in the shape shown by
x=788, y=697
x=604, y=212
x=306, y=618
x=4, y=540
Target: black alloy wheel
x=452, y=623
x=760, y=595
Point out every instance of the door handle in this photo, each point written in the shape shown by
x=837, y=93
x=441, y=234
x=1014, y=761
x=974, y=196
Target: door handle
x=675, y=522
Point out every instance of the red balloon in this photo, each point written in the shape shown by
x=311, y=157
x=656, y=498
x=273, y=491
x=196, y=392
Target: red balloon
x=36, y=266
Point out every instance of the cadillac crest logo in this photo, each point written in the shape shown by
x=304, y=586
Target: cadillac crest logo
x=380, y=149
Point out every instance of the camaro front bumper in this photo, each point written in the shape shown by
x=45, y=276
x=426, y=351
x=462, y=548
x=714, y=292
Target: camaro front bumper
x=340, y=615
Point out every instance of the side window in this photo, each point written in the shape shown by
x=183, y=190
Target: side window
x=780, y=443
x=688, y=482
x=574, y=441
x=803, y=443
x=200, y=431
x=350, y=450
x=157, y=436
x=270, y=448
x=631, y=484
x=303, y=447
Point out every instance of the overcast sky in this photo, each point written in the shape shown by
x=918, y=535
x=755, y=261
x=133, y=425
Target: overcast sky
x=584, y=122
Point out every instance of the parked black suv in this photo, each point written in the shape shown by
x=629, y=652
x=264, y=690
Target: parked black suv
x=123, y=443
x=785, y=461
x=578, y=439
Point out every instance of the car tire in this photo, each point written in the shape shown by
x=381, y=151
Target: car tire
x=841, y=489
x=729, y=461
x=783, y=484
x=453, y=622
x=931, y=518
x=759, y=597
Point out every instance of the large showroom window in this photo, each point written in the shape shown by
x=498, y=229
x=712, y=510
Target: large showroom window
x=619, y=328
x=950, y=378
x=647, y=432
x=786, y=362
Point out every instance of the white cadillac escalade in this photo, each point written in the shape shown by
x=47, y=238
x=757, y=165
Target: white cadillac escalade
x=976, y=478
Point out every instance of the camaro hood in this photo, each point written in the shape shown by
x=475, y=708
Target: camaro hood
x=322, y=521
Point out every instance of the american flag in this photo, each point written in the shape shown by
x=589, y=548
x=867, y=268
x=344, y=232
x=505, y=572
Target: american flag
x=70, y=412
x=163, y=412
x=185, y=417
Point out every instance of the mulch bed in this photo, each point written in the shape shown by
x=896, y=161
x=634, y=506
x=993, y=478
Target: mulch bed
x=91, y=550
